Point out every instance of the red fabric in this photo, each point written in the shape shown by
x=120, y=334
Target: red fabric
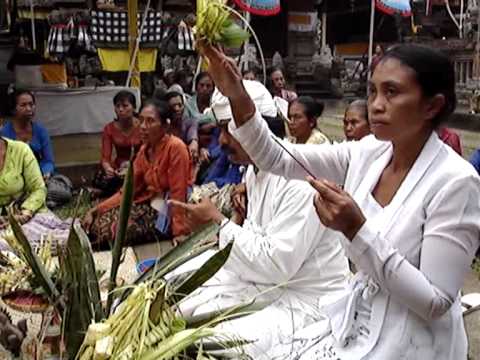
x=169, y=170
x=451, y=138
x=112, y=138
x=288, y=95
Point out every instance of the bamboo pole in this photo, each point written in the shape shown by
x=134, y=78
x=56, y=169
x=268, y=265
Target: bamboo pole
x=133, y=78
x=370, y=39
x=34, y=37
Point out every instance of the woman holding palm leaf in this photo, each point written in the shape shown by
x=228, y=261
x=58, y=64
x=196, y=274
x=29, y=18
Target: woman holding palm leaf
x=404, y=206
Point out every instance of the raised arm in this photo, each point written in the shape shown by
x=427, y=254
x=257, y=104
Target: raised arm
x=324, y=161
x=252, y=132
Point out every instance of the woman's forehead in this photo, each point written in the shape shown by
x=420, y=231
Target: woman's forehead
x=148, y=111
x=393, y=71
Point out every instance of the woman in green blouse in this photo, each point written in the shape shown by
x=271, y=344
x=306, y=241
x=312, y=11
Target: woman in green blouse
x=23, y=190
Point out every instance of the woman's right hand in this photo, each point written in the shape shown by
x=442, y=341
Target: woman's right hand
x=204, y=156
x=223, y=70
x=109, y=170
x=88, y=220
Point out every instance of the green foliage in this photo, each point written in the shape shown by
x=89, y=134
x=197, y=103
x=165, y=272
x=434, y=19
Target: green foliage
x=121, y=232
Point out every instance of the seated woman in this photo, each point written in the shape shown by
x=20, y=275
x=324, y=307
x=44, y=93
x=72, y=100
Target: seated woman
x=23, y=190
x=355, y=120
x=303, y=113
x=162, y=166
x=121, y=135
x=23, y=128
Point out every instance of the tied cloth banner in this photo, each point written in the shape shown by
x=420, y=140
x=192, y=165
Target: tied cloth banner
x=119, y=59
x=110, y=29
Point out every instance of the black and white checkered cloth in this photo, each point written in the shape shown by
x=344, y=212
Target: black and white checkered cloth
x=110, y=29
x=60, y=37
x=186, y=41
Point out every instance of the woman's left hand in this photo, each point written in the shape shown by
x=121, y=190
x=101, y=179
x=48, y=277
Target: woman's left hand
x=336, y=208
x=23, y=216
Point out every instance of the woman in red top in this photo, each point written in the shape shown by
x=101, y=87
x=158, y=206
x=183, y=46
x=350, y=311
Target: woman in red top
x=162, y=165
x=120, y=135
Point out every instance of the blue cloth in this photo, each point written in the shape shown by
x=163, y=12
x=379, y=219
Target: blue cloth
x=40, y=145
x=164, y=217
x=475, y=160
x=222, y=171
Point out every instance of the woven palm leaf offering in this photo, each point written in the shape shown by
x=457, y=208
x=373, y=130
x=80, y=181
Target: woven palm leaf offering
x=215, y=24
x=138, y=321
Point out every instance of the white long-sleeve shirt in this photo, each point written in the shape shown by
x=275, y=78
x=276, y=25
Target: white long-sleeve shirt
x=280, y=240
x=412, y=263
x=279, y=256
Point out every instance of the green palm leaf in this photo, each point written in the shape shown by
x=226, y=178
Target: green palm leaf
x=39, y=271
x=193, y=245
x=121, y=232
x=204, y=273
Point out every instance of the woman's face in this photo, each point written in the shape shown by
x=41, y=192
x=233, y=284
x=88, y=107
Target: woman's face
x=25, y=107
x=124, y=110
x=397, y=109
x=151, y=128
x=278, y=81
x=300, y=126
x=204, y=88
x=355, y=124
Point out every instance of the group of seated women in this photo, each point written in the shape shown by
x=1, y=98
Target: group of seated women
x=164, y=167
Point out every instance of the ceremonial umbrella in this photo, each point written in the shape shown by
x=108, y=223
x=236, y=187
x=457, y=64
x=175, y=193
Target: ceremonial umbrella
x=260, y=7
x=393, y=7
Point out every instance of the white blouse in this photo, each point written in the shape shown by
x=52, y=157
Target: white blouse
x=411, y=262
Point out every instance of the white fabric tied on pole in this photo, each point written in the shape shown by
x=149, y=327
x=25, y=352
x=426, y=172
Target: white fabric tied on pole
x=34, y=39
x=137, y=44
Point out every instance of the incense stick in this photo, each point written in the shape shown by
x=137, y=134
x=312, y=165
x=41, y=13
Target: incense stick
x=293, y=157
x=284, y=118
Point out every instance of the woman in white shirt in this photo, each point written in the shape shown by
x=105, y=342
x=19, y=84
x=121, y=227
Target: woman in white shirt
x=404, y=205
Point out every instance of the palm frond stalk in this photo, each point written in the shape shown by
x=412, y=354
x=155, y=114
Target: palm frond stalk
x=121, y=232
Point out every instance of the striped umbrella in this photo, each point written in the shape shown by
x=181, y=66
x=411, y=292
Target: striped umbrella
x=260, y=7
x=392, y=7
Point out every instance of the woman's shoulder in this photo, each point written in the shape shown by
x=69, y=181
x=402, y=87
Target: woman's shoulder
x=450, y=164
x=109, y=127
x=17, y=146
x=176, y=143
x=367, y=148
x=7, y=128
